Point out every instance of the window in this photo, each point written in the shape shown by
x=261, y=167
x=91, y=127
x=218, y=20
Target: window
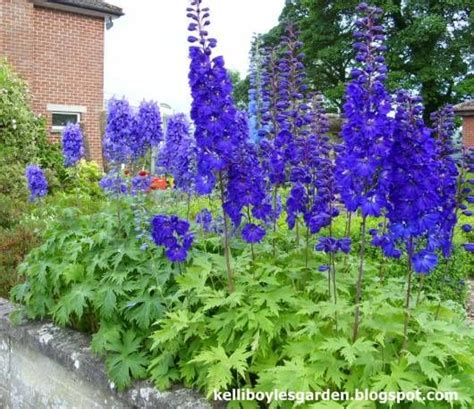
x=61, y=115
x=61, y=119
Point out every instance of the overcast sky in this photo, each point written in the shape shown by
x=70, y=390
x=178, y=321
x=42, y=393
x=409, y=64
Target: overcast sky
x=146, y=52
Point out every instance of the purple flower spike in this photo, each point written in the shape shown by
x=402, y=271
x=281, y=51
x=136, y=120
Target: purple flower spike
x=73, y=144
x=37, y=183
x=367, y=129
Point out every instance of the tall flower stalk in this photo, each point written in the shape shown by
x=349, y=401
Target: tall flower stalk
x=366, y=133
x=413, y=213
x=178, y=155
x=225, y=156
x=37, y=183
x=72, y=142
x=255, y=90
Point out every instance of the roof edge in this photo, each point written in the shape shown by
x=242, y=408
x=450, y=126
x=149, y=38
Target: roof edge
x=465, y=108
x=88, y=11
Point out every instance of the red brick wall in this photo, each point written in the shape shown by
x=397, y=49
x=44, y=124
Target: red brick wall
x=468, y=131
x=61, y=55
x=16, y=33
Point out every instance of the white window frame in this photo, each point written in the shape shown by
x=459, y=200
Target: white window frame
x=67, y=110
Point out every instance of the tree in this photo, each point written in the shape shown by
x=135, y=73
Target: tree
x=429, y=45
x=241, y=89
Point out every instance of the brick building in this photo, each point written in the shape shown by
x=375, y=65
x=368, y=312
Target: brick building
x=466, y=111
x=57, y=46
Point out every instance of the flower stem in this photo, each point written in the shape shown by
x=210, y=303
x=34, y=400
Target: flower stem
x=420, y=289
x=251, y=244
x=360, y=278
x=408, y=296
x=188, y=202
x=275, y=196
x=347, y=233
x=227, y=253
x=306, y=255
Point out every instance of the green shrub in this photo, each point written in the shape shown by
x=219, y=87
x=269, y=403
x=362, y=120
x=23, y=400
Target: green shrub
x=279, y=329
x=23, y=137
x=90, y=273
x=84, y=179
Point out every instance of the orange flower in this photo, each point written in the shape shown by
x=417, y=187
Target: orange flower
x=158, y=184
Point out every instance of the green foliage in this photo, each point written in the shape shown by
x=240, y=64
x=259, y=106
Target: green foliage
x=91, y=274
x=84, y=179
x=429, y=44
x=269, y=334
x=279, y=329
x=23, y=137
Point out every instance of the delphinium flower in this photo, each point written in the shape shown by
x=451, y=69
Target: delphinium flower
x=269, y=95
x=292, y=111
x=114, y=184
x=204, y=219
x=119, y=131
x=213, y=110
x=312, y=174
x=178, y=155
x=173, y=234
x=444, y=128
x=37, y=183
x=272, y=166
x=245, y=194
x=140, y=183
x=253, y=233
x=415, y=202
x=255, y=89
x=72, y=144
x=415, y=186
x=294, y=145
x=218, y=134
x=318, y=164
x=148, y=131
x=366, y=132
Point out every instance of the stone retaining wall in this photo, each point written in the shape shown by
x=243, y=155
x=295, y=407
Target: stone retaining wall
x=43, y=366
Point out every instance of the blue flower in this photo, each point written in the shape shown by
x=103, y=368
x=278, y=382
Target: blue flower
x=424, y=262
x=469, y=247
x=173, y=234
x=466, y=228
x=140, y=184
x=178, y=155
x=37, y=183
x=367, y=129
x=72, y=144
x=252, y=233
x=148, y=127
x=204, y=218
x=113, y=184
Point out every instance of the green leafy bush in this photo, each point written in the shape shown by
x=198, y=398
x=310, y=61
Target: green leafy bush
x=150, y=318
x=91, y=274
x=270, y=335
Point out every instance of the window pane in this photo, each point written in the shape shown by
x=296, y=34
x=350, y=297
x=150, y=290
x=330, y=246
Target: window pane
x=63, y=119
